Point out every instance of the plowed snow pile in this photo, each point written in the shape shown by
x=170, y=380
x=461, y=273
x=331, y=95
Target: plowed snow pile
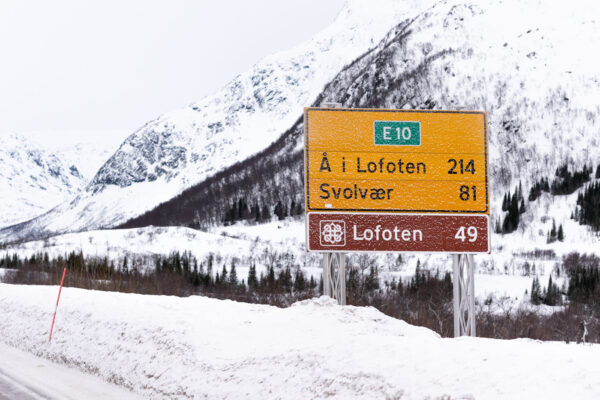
x=196, y=347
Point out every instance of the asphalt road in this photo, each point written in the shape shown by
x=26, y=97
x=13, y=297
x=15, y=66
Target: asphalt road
x=12, y=390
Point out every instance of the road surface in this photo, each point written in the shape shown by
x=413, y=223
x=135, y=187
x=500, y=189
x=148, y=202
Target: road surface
x=24, y=376
x=13, y=390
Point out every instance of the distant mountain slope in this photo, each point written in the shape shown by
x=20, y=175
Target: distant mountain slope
x=33, y=179
x=88, y=156
x=184, y=147
x=541, y=92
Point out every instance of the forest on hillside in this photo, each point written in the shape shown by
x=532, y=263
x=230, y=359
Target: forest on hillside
x=425, y=299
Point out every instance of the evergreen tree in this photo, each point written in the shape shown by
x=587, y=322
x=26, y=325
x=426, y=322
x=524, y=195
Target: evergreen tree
x=265, y=214
x=536, y=295
x=209, y=271
x=271, y=278
x=224, y=274
x=256, y=213
x=195, y=275
x=299, y=281
x=552, y=233
x=280, y=210
x=560, y=235
x=233, y=279
x=124, y=266
x=242, y=212
x=505, y=201
x=511, y=220
x=553, y=296
x=231, y=214
x=299, y=208
x=286, y=278
x=372, y=281
x=252, y=280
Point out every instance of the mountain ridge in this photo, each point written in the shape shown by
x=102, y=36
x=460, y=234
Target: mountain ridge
x=186, y=146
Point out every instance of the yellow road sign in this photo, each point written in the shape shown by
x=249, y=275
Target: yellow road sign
x=396, y=160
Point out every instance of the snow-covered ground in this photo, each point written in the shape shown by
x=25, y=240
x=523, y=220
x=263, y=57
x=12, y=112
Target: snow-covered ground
x=500, y=274
x=196, y=347
x=148, y=241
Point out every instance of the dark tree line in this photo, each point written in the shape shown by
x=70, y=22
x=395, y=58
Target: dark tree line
x=550, y=295
x=241, y=211
x=536, y=190
x=588, y=206
x=584, y=278
x=206, y=278
x=425, y=299
x=567, y=182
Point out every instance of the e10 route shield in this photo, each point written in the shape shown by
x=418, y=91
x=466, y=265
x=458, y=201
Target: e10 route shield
x=404, y=165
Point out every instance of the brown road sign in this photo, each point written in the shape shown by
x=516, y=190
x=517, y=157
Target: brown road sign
x=369, y=232
x=367, y=160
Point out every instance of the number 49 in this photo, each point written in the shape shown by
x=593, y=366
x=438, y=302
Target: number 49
x=470, y=231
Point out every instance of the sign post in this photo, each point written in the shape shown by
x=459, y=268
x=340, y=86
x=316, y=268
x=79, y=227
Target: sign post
x=334, y=265
x=398, y=181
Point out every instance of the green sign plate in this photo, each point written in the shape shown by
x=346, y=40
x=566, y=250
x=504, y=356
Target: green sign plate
x=397, y=133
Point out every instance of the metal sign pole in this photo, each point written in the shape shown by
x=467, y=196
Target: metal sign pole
x=334, y=276
x=334, y=264
x=463, y=266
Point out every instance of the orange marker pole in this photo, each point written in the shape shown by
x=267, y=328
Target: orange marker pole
x=58, y=298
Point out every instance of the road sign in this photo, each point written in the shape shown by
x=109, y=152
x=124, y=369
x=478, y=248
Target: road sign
x=396, y=180
x=366, y=160
x=371, y=232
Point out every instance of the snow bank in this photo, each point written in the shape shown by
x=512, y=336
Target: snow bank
x=196, y=347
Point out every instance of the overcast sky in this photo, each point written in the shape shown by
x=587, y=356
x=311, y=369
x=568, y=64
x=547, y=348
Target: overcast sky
x=75, y=67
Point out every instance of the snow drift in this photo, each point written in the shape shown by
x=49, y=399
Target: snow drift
x=182, y=348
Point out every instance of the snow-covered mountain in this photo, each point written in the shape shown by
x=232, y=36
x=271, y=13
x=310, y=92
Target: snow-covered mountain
x=33, y=179
x=183, y=147
x=526, y=63
x=540, y=90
